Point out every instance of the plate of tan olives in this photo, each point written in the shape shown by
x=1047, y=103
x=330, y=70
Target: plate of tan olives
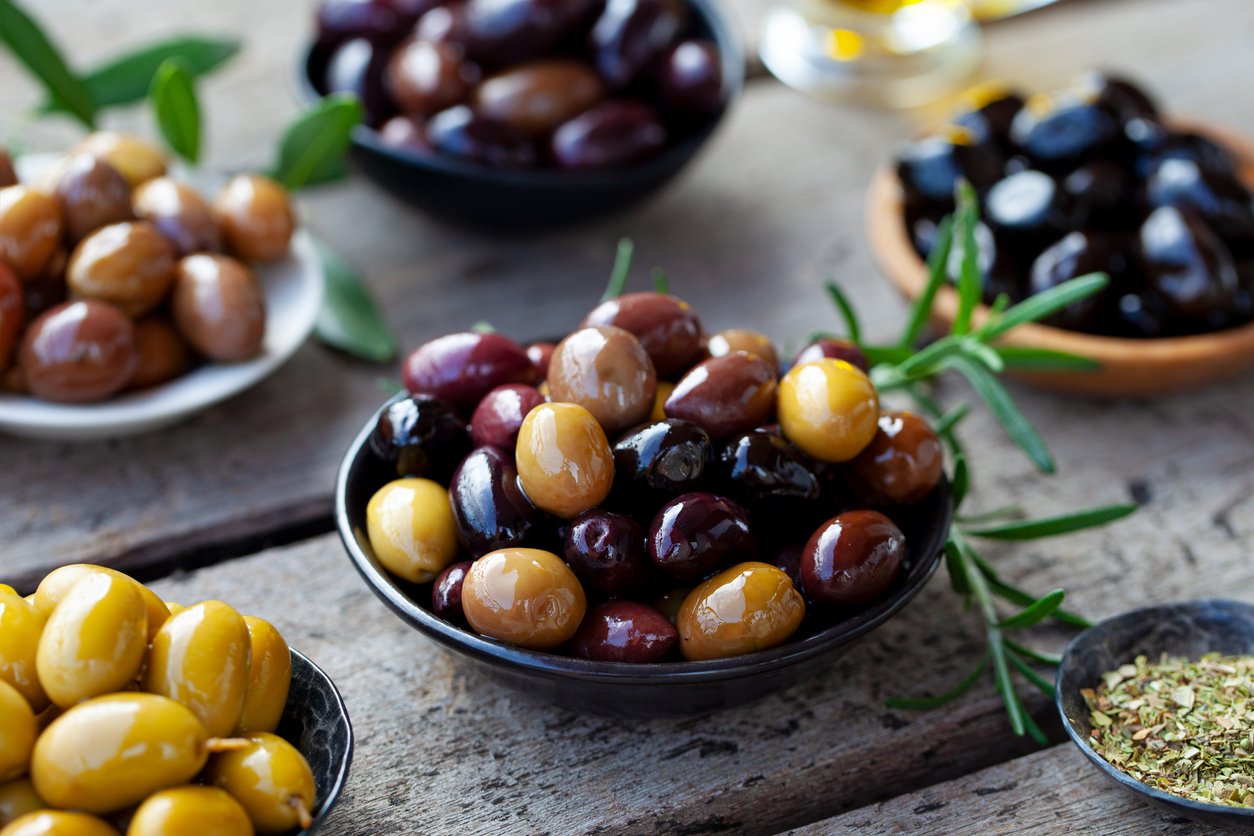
x=124, y=713
x=133, y=296
x=643, y=518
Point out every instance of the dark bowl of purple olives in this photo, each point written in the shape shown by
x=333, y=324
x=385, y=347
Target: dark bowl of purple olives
x=524, y=114
x=1092, y=178
x=643, y=519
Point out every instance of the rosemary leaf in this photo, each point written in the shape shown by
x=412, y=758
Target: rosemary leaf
x=937, y=268
x=1054, y=526
x=847, y=313
x=1003, y=407
x=969, y=280
x=1036, y=612
x=620, y=271
x=1043, y=685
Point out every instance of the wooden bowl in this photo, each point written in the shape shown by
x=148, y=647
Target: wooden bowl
x=1128, y=366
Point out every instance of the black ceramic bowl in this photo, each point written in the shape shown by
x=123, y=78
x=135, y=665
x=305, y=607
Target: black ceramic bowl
x=469, y=192
x=624, y=689
x=316, y=722
x=1189, y=630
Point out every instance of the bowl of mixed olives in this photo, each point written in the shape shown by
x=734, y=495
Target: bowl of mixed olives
x=1093, y=178
x=640, y=518
x=127, y=713
x=528, y=113
x=132, y=296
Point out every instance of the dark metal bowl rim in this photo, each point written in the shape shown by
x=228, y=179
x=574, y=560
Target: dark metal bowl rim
x=343, y=760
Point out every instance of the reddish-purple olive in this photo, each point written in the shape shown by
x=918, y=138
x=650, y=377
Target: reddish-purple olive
x=500, y=414
x=537, y=97
x=661, y=460
x=462, y=368
x=489, y=507
x=505, y=32
x=691, y=82
x=357, y=66
x=625, y=631
x=903, y=463
x=665, y=325
x=788, y=558
x=79, y=351
x=92, y=194
x=634, y=35
x=446, y=592
x=462, y=133
x=180, y=213
x=421, y=435
x=425, y=78
x=725, y=395
x=698, y=533
x=605, y=370
x=852, y=558
x=834, y=349
x=606, y=552
x=12, y=314
x=406, y=133
x=541, y=354
x=381, y=21
x=613, y=134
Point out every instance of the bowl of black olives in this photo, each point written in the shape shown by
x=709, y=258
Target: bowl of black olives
x=527, y=113
x=1090, y=179
x=642, y=519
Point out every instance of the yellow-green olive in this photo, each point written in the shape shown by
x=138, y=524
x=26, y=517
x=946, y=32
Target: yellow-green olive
x=829, y=409
x=57, y=583
x=17, y=733
x=741, y=339
x=270, y=779
x=200, y=659
x=92, y=194
x=162, y=353
x=30, y=230
x=218, y=307
x=565, y=464
x=527, y=597
x=255, y=217
x=21, y=625
x=128, y=264
x=17, y=798
x=135, y=159
x=269, y=678
x=411, y=528
x=751, y=606
x=174, y=607
x=183, y=811
x=179, y=213
x=58, y=823
x=94, y=641
x=114, y=751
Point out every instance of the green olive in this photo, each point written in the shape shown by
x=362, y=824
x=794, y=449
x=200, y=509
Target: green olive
x=58, y=582
x=411, y=528
x=269, y=678
x=94, y=641
x=17, y=733
x=20, y=628
x=204, y=811
x=17, y=798
x=200, y=659
x=58, y=823
x=272, y=781
x=111, y=752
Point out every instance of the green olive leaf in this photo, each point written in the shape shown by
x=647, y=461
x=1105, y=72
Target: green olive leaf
x=30, y=45
x=176, y=108
x=315, y=145
x=349, y=319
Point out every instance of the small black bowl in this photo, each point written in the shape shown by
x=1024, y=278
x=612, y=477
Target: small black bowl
x=316, y=723
x=667, y=689
x=480, y=195
x=1188, y=630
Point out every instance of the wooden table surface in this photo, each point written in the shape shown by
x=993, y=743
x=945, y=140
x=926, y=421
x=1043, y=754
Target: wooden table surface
x=747, y=234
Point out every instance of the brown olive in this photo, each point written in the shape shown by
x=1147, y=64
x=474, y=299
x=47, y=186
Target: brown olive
x=255, y=217
x=92, y=194
x=565, y=464
x=12, y=314
x=423, y=77
x=179, y=213
x=79, y=351
x=30, y=230
x=852, y=558
x=218, y=307
x=604, y=370
x=751, y=606
x=539, y=96
x=740, y=339
x=128, y=264
x=8, y=176
x=725, y=395
x=665, y=325
x=903, y=463
x=162, y=353
x=135, y=159
x=829, y=409
x=527, y=597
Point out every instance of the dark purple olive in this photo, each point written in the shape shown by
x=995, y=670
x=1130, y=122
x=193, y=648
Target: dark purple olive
x=632, y=35
x=1208, y=154
x=788, y=558
x=835, y=349
x=929, y=168
x=1123, y=99
x=1219, y=199
x=490, y=509
x=606, y=552
x=725, y=395
x=357, y=67
x=1103, y=195
x=1144, y=313
x=1184, y=261
x=1078, y=254
x=691, y=80
x=1028, y=210
x=624, y=631
x=853, y=558
x=446, y=592
x=1063, y=131
x=505, y=32
x=498, y=416
x=406, y=133
x=661, y=460
x=698, y=533
x=989, y=122
x=380, y=21
x=540, y=354
x=462, y=368
x=421, y=436
x=460, y=132
x=424, y=78
x=665, y=325
x=611, y=135
x=762, y=469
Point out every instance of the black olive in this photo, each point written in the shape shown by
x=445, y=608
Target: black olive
x=1075, y=255
x=1184, y=261
x=1057, y=133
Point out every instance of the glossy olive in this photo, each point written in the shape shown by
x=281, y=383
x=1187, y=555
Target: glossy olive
x=504, y=32
x=270, y=779
x=500, y=414
x=741, y=339
x=421, y=436
x=829, y=409
x=666, y=326
x=1219, y=199
x=606, y=551
x=30, y=230
x=462, y=368
x=205, y=811
x=929, y=168
x=490, y=508
x=8, y=175
x=1186, y=264
x=751, y=606
x=94, y=641
x=1062, y=130
x=836, y=350
x=138, y=160
x=255, y=217
x=565, y=464
x=111, y=752
x=218, y=307
x=903, y=463
x=537, y=97
x=446, y=592
x=605, y=370
x=661, y=459
x=1206, y=153
x=357, y=67
x=1122, y=98
x=12, y=314
x=540, y=354
x=765, y=471
x=527, y=597
x=58, y=583
x=92, y=194
x=1079, y=254
x=691, y=80
x=633, y=36
x=406, y=133
x=462, y=133
x=411, y=528
x=1028, y=209
x=269, y=678
x=17, y=733
x=988, y=112
x=58, y=823
x=696, y=533
x=424, y=77
x=78, y=352
x=624, y=631
x=130, y=265
x=162, y=353
x=725, y=395
x=613, y=134
x=17, y=798
x=852, y=558
x=380, y=21
x=179, y=213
